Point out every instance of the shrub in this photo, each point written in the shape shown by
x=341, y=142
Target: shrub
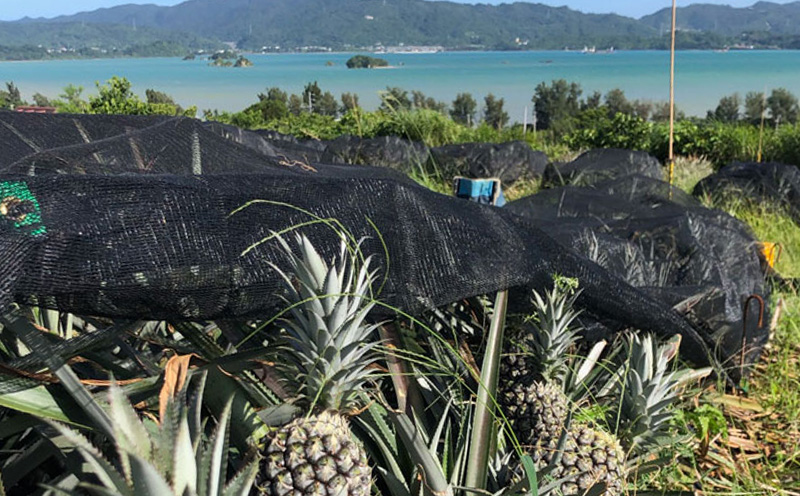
x=595, y=129
x=425, y=125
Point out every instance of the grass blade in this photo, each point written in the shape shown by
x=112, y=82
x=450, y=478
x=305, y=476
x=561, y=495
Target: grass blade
x=481, y=443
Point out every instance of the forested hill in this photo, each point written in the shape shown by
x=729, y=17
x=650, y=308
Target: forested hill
x=343, y=24
x=778, y=19
x=27, y=40
x=338, y=23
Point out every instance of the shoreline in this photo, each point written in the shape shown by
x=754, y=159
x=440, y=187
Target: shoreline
x=335, y=52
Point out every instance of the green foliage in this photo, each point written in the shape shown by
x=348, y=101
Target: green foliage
x=556, y=104
x=307, y=125
x=493, y=113
x=726, y=20
x=594, y=129
x=342, y=25
x=116, y=97
x=755, y=105
x=41, y=100
x=70, y=101
x=617, y=103
x=296, y=104
x=427, y=126
x=317, y=102
x=155, y=97
x=420, y=101
x=10, y=98
x=706, y=420
x=273, y=105
x=727, y=109
x=395, y=99
x=349, y=102
x=168, y=458
x=783, y=108
x=365, y=62
x=464, y=108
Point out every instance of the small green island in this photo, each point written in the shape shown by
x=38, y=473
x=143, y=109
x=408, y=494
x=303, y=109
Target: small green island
x=365, y=62
x=229, y=59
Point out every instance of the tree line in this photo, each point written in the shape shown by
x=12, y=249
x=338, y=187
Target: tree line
x=116, y=96
x=275, y=104
x=558, y=107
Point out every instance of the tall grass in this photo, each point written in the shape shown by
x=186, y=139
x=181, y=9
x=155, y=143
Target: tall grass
x=689, y=171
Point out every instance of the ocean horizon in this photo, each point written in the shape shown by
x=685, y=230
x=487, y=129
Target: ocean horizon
x=702, y=77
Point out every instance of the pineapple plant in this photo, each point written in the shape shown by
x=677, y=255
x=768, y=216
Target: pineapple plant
x=645, y=390
x=533, y=370
x=536, y=378
x=170, y=458
x=328, y=356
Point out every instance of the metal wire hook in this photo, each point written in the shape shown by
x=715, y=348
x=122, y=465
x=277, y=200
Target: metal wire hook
x=744, y=326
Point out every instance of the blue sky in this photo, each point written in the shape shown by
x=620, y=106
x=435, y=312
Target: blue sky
x=14, y=9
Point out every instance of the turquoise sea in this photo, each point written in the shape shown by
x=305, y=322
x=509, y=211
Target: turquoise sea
x=702, y=76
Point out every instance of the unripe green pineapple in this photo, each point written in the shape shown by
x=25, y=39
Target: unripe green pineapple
x=329, y=354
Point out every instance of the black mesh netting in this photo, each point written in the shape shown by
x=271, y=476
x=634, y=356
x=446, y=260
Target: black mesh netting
x=134, y=217
x=703, y=261
x=767, y=183
x=600, y=165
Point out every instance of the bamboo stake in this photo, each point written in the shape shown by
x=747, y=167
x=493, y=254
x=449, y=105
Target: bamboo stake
x=672, y=102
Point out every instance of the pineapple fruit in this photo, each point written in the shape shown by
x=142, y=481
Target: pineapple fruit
x=329, y=353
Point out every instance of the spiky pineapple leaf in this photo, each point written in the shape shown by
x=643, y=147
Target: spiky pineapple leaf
x=184, y=468
x=129, y=434
x=242, y=482
x=214, y=459
x=42, y=402
x=396, y=485
x=147, y=480
x=418, y=450
x=105, y=472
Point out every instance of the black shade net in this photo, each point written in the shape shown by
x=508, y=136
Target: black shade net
x=769, y=183
x=702, y=261
x=171, y=218
x=600, y=165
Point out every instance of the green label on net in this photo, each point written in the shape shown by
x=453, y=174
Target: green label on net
x=19, y=206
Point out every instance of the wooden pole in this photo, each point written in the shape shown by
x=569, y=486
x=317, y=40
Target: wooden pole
x=672, y=102
x=525, y=121
x=761, y=128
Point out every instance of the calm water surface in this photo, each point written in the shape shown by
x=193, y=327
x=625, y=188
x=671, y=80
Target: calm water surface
x=702, y=76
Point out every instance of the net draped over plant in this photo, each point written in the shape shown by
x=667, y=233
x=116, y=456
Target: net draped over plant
x=770, y=183
x=171, y=218
x=703, y=261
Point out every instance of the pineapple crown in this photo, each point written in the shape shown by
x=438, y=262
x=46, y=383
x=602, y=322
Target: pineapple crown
x=554, y=331
x=647, y=389
x=329, y=350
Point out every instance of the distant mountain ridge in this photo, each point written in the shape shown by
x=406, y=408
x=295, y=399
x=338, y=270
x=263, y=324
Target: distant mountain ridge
x=341, y=23
x=350, y=24
x=780, y=19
